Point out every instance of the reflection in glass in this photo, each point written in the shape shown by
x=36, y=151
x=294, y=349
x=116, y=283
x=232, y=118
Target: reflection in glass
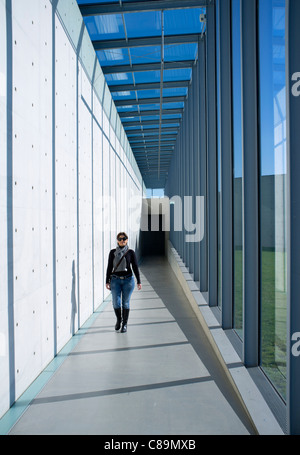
x=237, y=171
x=273, y=190
x=110, y=25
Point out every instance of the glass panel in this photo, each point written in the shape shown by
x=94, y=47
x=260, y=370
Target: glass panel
x=177, y=75
x=123, y=95
x=127, y=108
x=119, y=78
x=147, y=54
x=110, y=26
x=173, y=105
x=148, y=94
x=237, y=171
x=186, y=20
x=219, y=157
x=181, y=52
x=147, y=76
x=273, y=190
x=143, y=24
x=179, y=91
x=111, y=57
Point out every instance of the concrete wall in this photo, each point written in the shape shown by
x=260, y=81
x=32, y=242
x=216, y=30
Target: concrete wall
x=63, y=153
x=4, y=365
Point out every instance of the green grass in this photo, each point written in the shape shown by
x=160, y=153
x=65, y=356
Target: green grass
x=238, y=292
x=273, y=313
x=273, y=318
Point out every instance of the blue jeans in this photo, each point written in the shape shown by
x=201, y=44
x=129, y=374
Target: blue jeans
x=122, y=288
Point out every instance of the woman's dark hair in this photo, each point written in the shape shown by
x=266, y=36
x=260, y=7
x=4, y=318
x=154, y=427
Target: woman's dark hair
x=122, y=234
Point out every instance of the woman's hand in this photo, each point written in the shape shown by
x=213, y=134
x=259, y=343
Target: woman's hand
x=139, y=286
x=108, y=286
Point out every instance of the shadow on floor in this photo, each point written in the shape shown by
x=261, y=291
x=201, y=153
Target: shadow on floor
x=165, y=283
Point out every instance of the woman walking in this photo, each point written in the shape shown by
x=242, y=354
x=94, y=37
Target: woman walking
x=120, y=280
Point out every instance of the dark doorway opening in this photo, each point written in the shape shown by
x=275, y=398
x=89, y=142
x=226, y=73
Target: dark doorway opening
x=153, y=240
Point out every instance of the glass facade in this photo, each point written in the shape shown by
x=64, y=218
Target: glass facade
x=272, y=100
x=219, y=183
x=237, y=169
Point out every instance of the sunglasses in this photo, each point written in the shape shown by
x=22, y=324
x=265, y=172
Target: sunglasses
x=122, y=238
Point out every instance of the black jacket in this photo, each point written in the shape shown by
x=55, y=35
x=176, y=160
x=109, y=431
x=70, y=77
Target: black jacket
x=130, y=260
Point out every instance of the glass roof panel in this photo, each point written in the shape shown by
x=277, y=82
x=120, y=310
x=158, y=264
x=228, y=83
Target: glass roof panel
x=143, y=24
x=186, y=51
x=148, y=94
x=172, y=116
x=183, y=21
x=137, y=119
x=147, y=76
x=112, y=57
x=149, y=107
x=119, y=78
x=105, y=27
x=123, y=95
x=177, y=75
x=179, y=105
x=129, y=108
x=179, y=91
x=147, y=54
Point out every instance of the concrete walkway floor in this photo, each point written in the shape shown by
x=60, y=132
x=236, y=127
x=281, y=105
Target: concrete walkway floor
x=160, y=378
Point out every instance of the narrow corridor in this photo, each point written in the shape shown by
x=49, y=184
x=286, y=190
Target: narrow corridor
x=161, y=377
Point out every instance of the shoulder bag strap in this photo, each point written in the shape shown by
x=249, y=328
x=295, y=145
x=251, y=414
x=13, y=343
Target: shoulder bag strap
x=120, y=261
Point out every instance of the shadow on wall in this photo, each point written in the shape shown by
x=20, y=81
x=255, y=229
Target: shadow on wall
x=73, y=300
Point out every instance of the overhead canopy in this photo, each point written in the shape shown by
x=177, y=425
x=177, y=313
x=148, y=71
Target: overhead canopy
x=147, y=50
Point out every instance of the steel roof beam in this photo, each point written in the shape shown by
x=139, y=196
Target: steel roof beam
x=134, y=102
x=141, y=146
x=153, y=145
x=140, y=143
x=141, y=160
x=153, y=162
x=182, y=64
x=151, y=137
x=149, y=171
x=153, y=148
x=139, y=6
x=152, y=183
x=142, y=152
x=148, y=137
x=153, y=159
x=171, y=121
x=140, y=156
x=151, y=130
x=147, y=86
x=145, y=41
x=143, y=135
x=130, y=114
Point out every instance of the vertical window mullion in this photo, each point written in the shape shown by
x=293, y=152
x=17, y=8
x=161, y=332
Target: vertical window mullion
x=250, y=182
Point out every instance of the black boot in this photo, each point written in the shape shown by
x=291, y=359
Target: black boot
x=119, y=318
x=125, y=320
